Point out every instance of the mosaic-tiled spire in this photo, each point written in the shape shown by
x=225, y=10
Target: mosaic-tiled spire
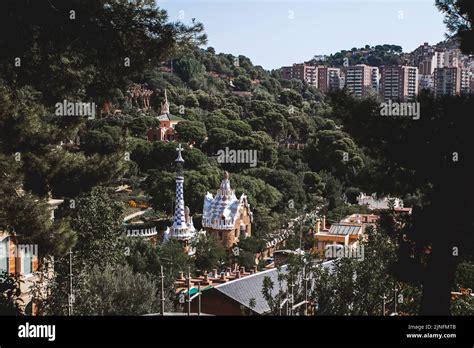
x=179, y=222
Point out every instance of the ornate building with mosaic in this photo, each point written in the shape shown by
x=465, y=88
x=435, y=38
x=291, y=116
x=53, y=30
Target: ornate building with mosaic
x=227, y=216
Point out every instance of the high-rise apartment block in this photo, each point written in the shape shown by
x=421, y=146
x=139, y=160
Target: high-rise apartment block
x=303, y=72
x=451, y=81
x=329, y=79
x=399, y=83
x=375, y=78
x=359, y=79
x=441, y=68
x=425, y=82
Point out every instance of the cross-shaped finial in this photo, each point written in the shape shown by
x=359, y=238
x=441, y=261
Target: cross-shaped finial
x=179, y=149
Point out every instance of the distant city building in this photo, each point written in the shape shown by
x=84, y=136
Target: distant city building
x=447, y=81
x=304, y=72
x=329, y=79
x=452, y=58
x=374, y=202
x=421, y=53
x=427, y=66
x=359, y=79
x=361, y=218
x=425, y=82
x=227, y=216
x=375, y=78
x=399, y=83
x=466, y=77
x=443, y=69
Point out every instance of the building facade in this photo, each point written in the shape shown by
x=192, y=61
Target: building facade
x=329, y=79
x=227, y=216
x=447, y=81
x=399, y=83
x=359, y=79
x=304, y=72
x=425, y=82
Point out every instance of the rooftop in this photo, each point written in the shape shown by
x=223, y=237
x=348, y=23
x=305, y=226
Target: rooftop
x=344, y=229
x=170, y=117
x=244, y=289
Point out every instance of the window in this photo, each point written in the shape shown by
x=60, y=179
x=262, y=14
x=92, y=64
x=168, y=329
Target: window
x=26, y=262
x=4, y=254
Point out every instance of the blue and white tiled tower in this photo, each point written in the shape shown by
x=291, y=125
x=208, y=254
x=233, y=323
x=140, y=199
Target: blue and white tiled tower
x=183, y=228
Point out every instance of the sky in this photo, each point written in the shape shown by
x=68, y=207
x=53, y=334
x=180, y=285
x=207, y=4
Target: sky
x=275, y=33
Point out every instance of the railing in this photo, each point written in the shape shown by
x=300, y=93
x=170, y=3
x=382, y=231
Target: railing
x=141, y=232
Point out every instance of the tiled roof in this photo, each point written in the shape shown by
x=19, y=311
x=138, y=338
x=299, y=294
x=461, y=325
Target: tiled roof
x=244, y=289
x=169, y=117
x=222, y=211
x=342, y=229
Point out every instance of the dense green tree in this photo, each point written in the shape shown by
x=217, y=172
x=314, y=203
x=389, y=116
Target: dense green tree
x=209, y=252
x=86, y=50
x=9, y=292
x=104, y=141
x=351, y=286
x=97, y=219
x=243, y=83
x=33, y=225
x=192, y=132
x=239, y=127
x=188, y=68
x=421, y=155
x=116, y=291
x=459, y=21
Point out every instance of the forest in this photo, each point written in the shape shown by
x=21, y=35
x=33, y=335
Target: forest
x=96, y=51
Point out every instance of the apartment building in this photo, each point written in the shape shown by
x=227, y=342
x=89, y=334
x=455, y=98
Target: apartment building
x=359, y=79
x=329, y=79
x=375, y=78
x=399, y=83
x=466, y=77
x=447, y=81
x=425, y=82
x=303, y=72
x=452, y=58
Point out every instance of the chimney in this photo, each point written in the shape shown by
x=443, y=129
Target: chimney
x=242, y=269
x=216, y=275
x=255, y=270
x=223, y=275
x=227, y=271
x=237, y=274
x=206, y=278
x=324, y=223
x=318, y=226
